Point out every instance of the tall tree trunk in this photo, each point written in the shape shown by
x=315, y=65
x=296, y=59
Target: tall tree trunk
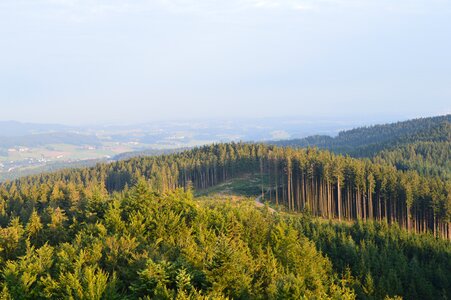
x=339, y=199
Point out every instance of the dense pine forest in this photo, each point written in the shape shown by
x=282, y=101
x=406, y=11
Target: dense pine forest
x=310, y=180
x=428, y=158
x=225, y=150
x=143, y=244
x=367, y=141
x=343, y=228
x=423, y=145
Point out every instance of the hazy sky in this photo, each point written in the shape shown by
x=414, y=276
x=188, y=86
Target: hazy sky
x=77, y=61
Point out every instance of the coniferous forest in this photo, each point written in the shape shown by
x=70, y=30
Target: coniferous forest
x=343, y=227
x=222, y=150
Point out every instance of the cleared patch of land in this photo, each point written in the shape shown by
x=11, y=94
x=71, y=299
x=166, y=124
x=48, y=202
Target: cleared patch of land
x=249, y=185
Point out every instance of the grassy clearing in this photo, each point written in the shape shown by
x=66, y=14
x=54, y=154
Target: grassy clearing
x=245, y=186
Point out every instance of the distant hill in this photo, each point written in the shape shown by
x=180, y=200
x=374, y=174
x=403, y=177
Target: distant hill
x=14, y=128
x=33, y=140
x=367, y=141
x=428, y=158
x=423, y=145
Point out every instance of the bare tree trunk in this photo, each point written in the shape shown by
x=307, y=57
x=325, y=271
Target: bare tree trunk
x=339, y=199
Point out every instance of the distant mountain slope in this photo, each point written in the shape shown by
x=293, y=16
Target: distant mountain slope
x=14, y=128
x=428, y=158
x=367, y=141
x=422, y=145
x=34, y=140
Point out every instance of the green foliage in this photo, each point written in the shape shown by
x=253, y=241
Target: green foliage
x=384, y=260
x=427, y=158
x=367, y=141
x=152, y=245
x=140, y=233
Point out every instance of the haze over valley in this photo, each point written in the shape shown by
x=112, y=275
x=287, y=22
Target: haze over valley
x=29, y=148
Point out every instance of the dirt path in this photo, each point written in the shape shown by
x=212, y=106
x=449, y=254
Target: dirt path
x=258, y=203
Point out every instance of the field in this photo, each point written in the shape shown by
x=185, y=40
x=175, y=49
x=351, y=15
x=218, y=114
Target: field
x=21, y=161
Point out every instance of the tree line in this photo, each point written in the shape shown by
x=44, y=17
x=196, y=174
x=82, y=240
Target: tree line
x=427, y=158
x=324, y=184
x=368, y=141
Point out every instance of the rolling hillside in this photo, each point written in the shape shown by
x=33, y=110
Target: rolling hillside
x=367, y=141
x=180, y=226
x=422, y=145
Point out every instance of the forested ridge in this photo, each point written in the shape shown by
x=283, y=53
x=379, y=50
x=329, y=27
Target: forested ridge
x=427, y=158
x=311, y=180
x=422, y=145
x=131, y=229
x=367, y=141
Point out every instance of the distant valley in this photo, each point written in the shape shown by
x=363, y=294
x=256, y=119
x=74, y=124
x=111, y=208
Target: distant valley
x=27, y=148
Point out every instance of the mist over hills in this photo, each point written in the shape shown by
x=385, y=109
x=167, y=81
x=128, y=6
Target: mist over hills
x=27, y=148
x=184, y=130
x=41, y=139
x=15, y=128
